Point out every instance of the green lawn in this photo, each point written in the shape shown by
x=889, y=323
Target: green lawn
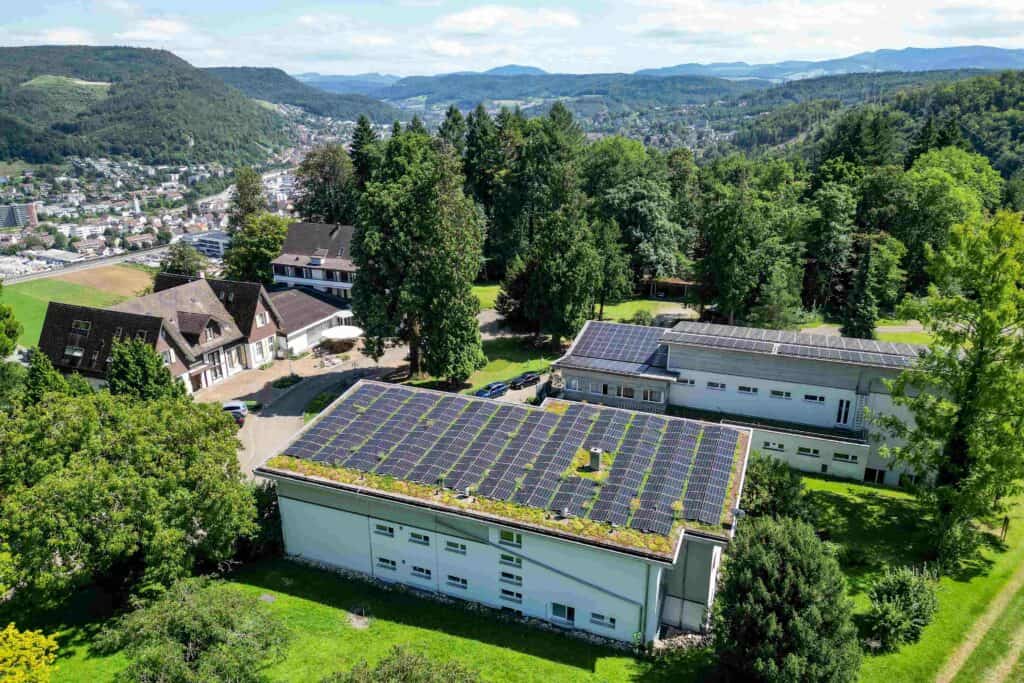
x=29, y=300
x=888, y=527
x=507, y=357
x=312, y=604
x=997, y=642
x=487, y=294
x=627, y=309
x=905, y=337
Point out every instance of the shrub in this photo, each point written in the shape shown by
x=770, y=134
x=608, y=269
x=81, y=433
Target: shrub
x=199, y=630
x=286, y=381
x=782, y=613
x=772, y=489
x=903, y=602
x=641, y=317
x=26, y=656
x=402, y=665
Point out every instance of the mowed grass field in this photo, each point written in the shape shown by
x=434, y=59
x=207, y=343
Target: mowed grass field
x=102, y=286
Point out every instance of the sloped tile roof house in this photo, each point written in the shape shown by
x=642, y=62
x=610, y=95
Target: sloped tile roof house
x=206, y=330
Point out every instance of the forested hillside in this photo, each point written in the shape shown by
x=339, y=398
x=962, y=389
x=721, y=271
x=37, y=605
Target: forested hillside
x=468, y=90
x=274, y=85
x=125, y=101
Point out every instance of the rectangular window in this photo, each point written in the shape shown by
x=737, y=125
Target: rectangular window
x=572, y=383
x=511, y=596
x=514, y=579
x=774, y=446
x=809, y=452
x=385, y=563
x=610, y=389
x=140, y=335
x=844, y=457
x=455, y=547
x=652, y=395
x=384, y=530
x=261, y=319
x=747, y=390
x=843, y=413
x=686, y=381
x=258, y=348
x=510, y=538
x=717, y=386
x=74, y=351
x=511, y=560
x=457, y=581
x=595, y=388
x=81, y=326
x=420, y=539
x=563, y=613
x=168, y=357
x=117, y=332
x=778, y=393
x=627, y=392
x=602, y=620
x=814, y=398
x=421, y=572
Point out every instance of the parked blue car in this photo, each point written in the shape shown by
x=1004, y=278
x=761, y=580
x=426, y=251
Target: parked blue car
x=493, y=390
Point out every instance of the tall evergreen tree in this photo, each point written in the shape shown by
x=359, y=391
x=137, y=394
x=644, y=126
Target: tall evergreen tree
x=247, y=198
x=327, y=186
x=416, y=126
x=615, y=280
x=830, y=244
x=418, y=247
x=365, y=150
x=483, y=161
x=10, y=329
x=453, y=130
x=778, y=301
x=861, y=312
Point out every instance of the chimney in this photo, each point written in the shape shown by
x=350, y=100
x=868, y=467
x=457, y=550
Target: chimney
x=595, y=459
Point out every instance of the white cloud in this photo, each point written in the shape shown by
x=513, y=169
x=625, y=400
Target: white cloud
x=67, y=35
x=124, y=7
x=501, y=18
x=449, y=48
x=154, y=31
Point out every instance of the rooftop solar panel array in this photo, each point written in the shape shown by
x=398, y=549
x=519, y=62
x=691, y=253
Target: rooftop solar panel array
x=663, y=468
x=634, y=349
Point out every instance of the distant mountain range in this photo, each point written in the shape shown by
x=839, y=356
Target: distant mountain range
x=908, y=59
x=274, y=85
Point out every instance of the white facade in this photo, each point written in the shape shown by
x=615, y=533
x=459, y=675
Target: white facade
x=302, y=340
x=333, y=282
x=573, y=585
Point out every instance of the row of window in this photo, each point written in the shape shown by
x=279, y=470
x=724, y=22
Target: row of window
x=616, y=390
x=509, y=538
x=752, y=391
x=809, y=452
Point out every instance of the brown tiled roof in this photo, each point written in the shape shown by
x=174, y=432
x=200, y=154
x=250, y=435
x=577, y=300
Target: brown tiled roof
x=239, y=298
x=300, y=308
x=104, y=324
x=192, y=297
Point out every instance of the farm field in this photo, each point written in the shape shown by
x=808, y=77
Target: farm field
x=103, y=286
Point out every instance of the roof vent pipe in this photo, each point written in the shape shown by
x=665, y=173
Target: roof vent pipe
x=595, y=459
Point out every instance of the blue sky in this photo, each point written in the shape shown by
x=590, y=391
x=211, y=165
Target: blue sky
x=409, y=37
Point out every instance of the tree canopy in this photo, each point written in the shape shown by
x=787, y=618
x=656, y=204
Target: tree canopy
x=253, y=248
x=327, y=191
x=183, y=259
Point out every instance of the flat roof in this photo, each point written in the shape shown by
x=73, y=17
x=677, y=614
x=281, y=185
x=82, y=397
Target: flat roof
x=528, y=466
x=818, y=347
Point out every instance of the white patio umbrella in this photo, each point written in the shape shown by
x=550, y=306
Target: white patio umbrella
x=342, y=333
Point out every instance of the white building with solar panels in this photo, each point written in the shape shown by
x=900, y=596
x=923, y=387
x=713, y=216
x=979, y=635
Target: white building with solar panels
x=594, y=518
x=803, y=395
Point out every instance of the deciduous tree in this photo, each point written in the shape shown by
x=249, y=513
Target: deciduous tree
x=615, y=281
x=965, y=393
x=252, y=249
x=327, y=186
x=247, y=197
x=183, y=259
x=136, y=370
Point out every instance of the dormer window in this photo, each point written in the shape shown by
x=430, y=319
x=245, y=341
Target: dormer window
x=212, y=331
x=140, y=335
x=81, y=326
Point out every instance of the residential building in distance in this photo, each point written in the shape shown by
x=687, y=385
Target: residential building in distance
x=205, y=330
x=593, y=518
x=305, y=314
x=54, y=257
x=318, y=256
x=214, y=243
x=804, y=395
x=18, y=216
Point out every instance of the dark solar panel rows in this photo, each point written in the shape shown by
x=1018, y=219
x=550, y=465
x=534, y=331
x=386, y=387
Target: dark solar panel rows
x=512, y=452
x=617, y=342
